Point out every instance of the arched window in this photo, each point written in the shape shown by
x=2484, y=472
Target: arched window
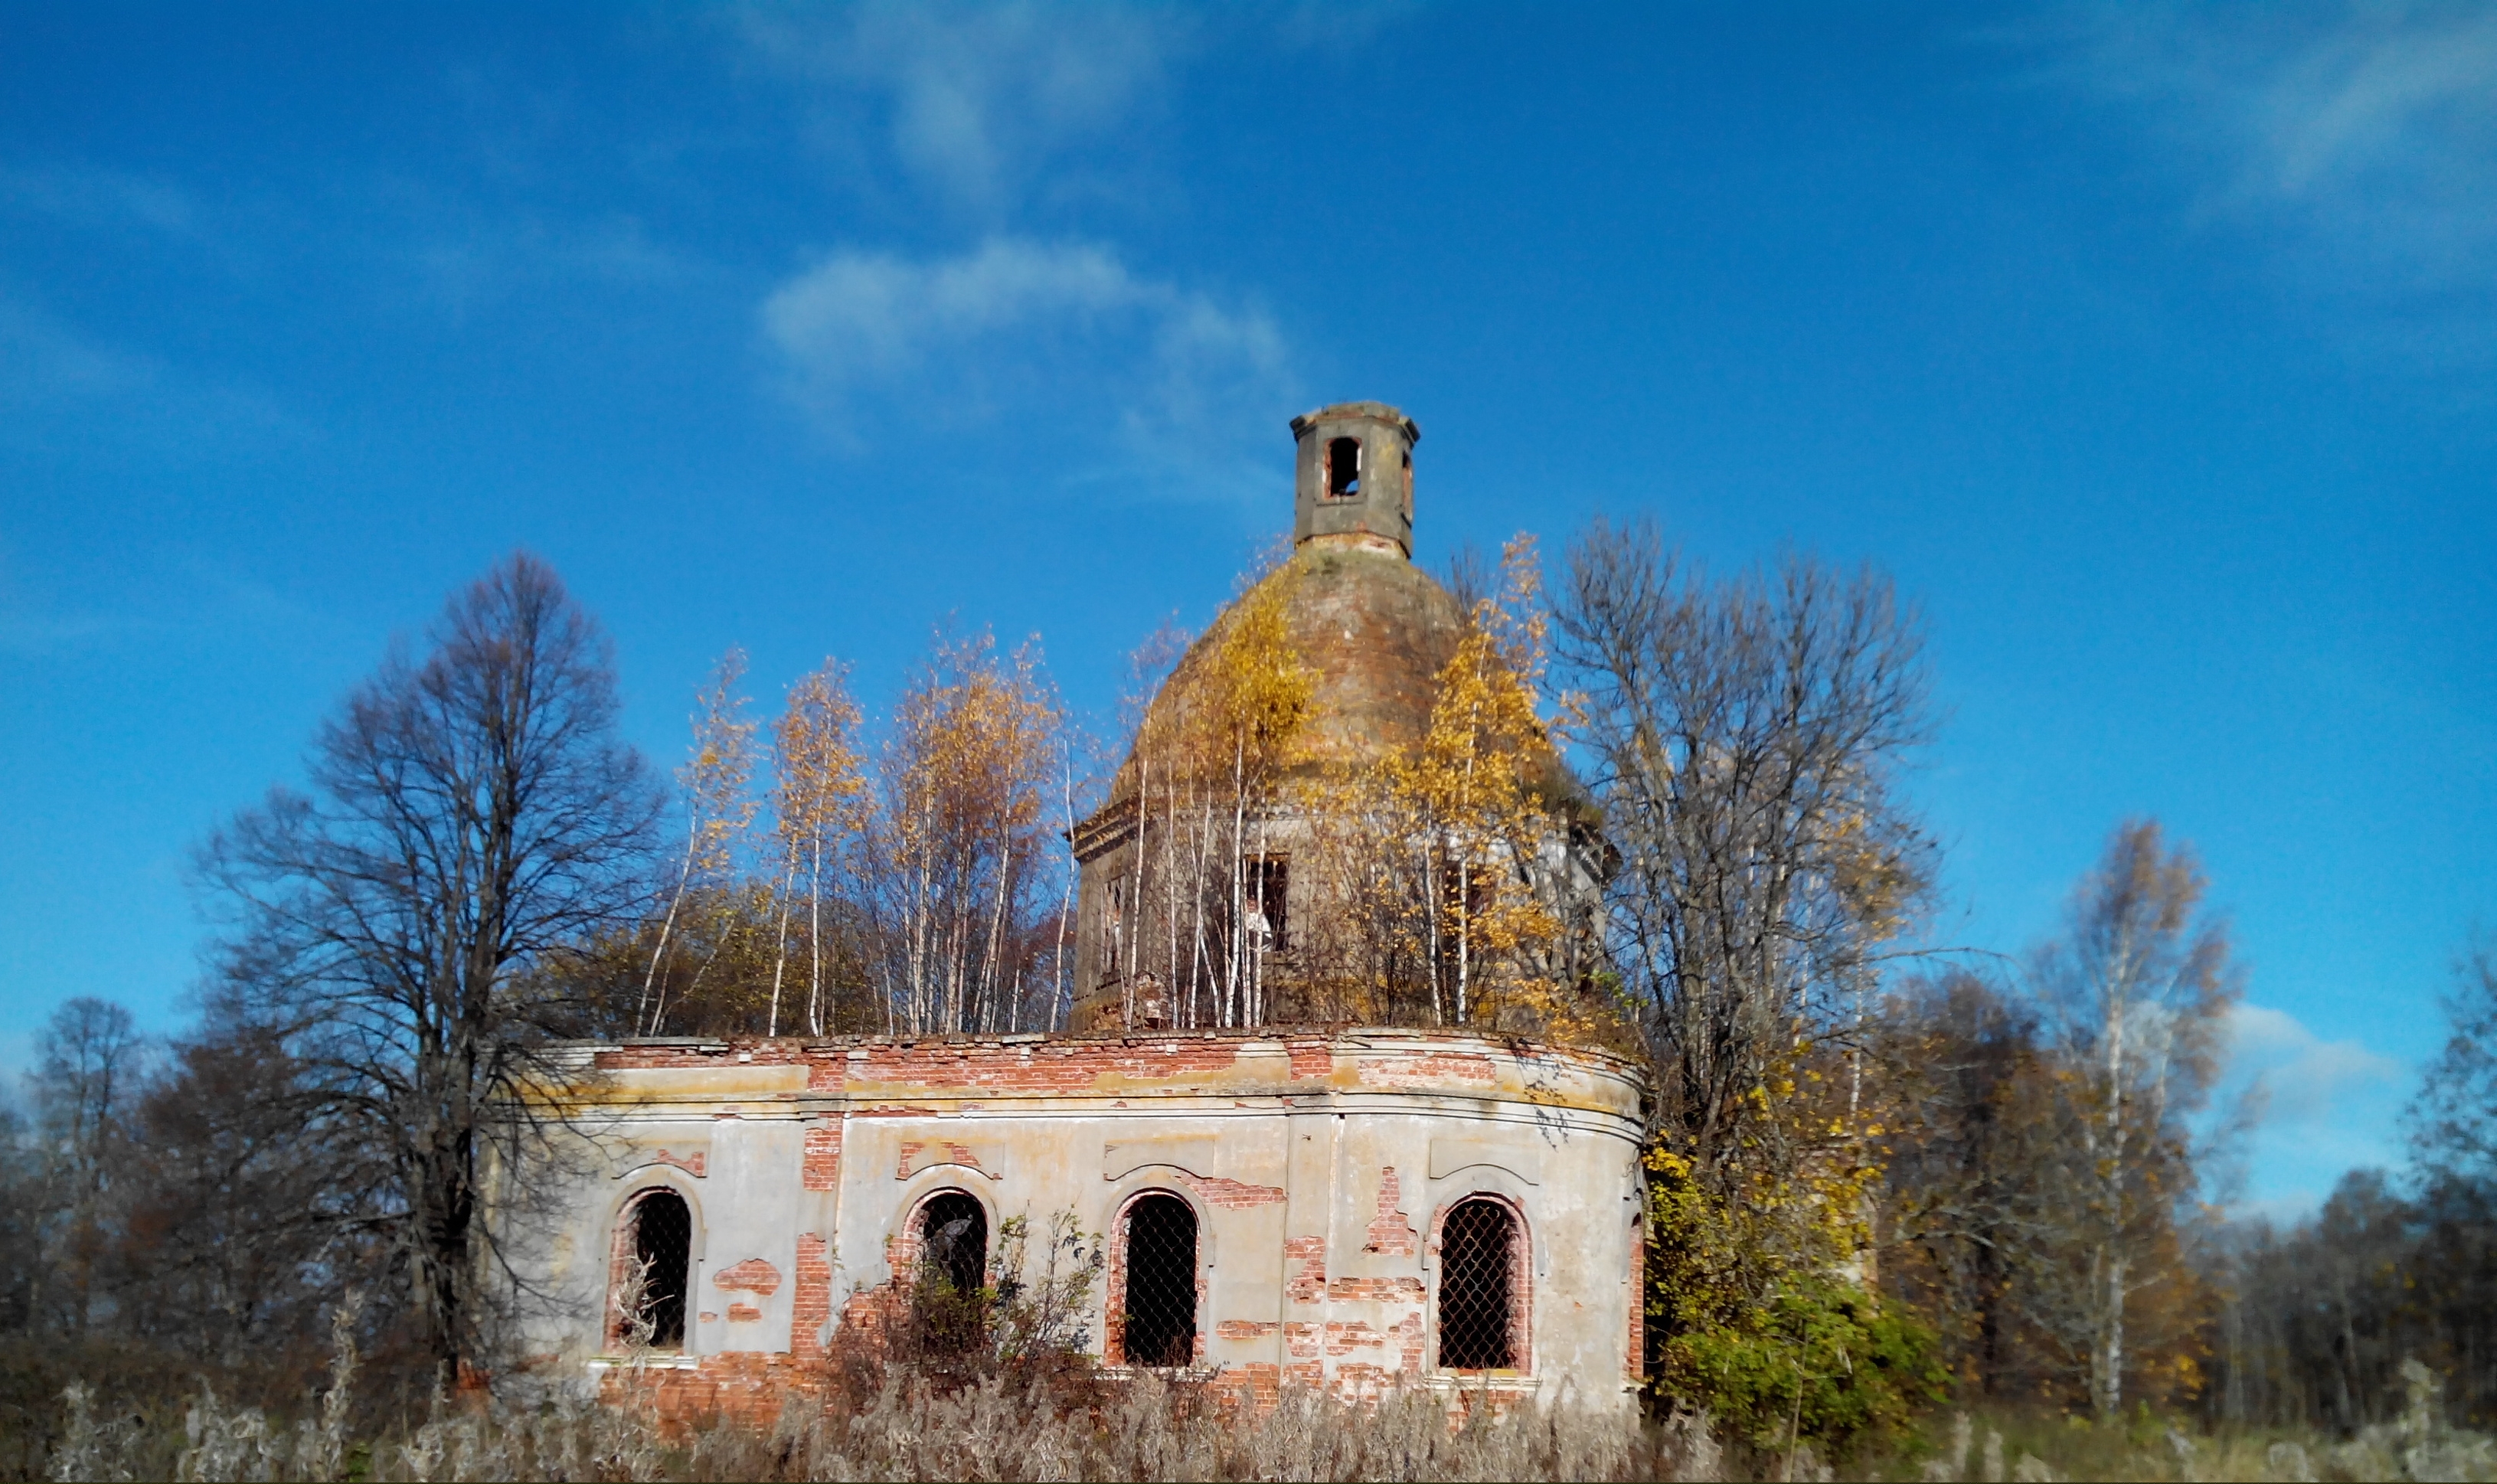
x=1478, y=1263
x=953, y=1270
x=1159, y=1323
x=659, y=1245
x=1344, y=468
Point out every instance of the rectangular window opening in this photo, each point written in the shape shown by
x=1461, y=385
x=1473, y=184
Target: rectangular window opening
x=1265, y=901
x=1344, y=468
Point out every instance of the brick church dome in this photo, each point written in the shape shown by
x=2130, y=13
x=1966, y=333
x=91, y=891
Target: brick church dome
x=1376, y=629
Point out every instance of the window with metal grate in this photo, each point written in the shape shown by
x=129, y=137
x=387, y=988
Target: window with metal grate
x=1477, y=1260
x=1160, y=1324
x=663, y=1236
x=953, y=1269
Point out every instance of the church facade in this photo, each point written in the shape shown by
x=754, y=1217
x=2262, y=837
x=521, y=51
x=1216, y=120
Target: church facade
x=1339, y=1208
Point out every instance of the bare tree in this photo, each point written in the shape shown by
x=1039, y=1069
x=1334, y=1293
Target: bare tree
x=237, y=1235
x=1745, y=734
x=2134, y=998
x=88, y=1079
x=2454, y=1119
x=471, y=813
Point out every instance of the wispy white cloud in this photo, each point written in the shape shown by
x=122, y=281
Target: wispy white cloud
x=2361, y=139
x=1020, y=324
x=2304, y=1075
x=90, y=196
x=59, y=382
x=2323, y=1107
x=975, y=100
x=45, y=363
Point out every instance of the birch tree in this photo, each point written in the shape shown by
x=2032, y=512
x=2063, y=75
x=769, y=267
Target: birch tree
x=1210, y=765
x=2135, y=997
x=819, y=799
x=958, y=858
x=717, y=780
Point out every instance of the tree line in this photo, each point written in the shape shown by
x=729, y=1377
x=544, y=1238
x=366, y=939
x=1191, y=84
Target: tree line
x=1879, y=1171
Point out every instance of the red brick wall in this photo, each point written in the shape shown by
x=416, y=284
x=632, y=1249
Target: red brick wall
x=1058, y=1065
x=1391, y=1232
x=1635, y=1361
x=811, y=1302
x=821, y=1168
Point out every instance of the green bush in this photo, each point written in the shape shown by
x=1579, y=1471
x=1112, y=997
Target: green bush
x=1753, y=1318
x=1819, y=1361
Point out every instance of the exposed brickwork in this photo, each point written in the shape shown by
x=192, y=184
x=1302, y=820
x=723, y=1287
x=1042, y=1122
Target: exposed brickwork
x=1375, y=1290
x=821, y=1167
x=692, y=1164
x=810, y=1304
x=1245, y=1329
x=874, y=1312
x=744, y=1313
x=1308, y=1284
x=1113, y=1064
x=1521, y=1292
x=1424, y=1070
x=1635, y=1357
x=1230, y=1195
x=753, y=1275
x=1258, y=1386
x=1391, y=1232
x=917, y=1155
x=747, y=1387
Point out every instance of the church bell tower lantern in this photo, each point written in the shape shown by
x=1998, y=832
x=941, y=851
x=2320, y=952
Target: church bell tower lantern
x=1354, y=477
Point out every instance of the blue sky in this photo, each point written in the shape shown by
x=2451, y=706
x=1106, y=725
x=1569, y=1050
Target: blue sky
x=2155, y=351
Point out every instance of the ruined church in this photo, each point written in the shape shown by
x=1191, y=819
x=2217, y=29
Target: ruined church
x=1342, y=1208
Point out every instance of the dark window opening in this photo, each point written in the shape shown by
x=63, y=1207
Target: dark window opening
x=663, y=1237
x=1466, y=885
x=1267, y=898
x=947, y=1301
x=1409, y=459
x=1344, y=468
x=1113, y=928
x=1160, y=1324
x=1478, y=1258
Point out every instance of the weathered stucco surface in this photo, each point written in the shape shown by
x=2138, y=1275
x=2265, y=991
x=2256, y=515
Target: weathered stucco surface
x=1318, y=1166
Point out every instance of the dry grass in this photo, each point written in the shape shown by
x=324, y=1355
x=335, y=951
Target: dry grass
x=2033, y=1448
x=911, y=1426
x=1067, y=1421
